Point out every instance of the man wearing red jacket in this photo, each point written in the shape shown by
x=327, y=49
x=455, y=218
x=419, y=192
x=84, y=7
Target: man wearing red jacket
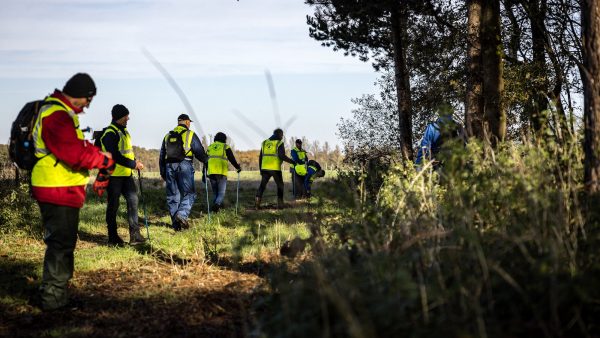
x=59, y=178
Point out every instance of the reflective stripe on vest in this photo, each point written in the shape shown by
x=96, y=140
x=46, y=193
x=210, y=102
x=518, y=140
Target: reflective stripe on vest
x=48, y=171
x=217, y=159
x=186, y=136
x=312, y=177
x=301, y=154
x=125, y=148
x=270, y=158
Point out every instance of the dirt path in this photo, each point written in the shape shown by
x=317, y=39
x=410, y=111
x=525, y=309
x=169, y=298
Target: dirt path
x=154, y=300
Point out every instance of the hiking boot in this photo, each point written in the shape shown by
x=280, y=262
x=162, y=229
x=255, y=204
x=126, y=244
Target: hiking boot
x=176, y=226
x=216, y=208
x=115, y=240
x=182, y=222
x=136, y=238
x=280, y=204
x=257, y=203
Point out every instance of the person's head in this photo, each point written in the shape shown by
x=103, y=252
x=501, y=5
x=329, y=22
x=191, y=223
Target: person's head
x=278, y=133
x=445, y=111
x=80, y=89
x=220, y=137
x=120, y=114
x=299, y=143
x=320, y=173
x=184, y=120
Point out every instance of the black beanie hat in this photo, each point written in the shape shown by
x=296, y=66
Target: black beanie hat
x=79, y=86
x=119, y=111
x=220, y=137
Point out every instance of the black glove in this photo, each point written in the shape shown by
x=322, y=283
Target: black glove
x=238, y=170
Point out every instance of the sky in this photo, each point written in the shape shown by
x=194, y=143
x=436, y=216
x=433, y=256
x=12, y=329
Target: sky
x=218, y=52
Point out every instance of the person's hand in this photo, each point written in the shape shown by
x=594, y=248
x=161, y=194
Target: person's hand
x=101, y=184
x=106, y=153
x=238, y=171
x=139, y=165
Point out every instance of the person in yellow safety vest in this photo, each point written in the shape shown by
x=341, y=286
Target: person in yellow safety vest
x=117, y=141
x=179, y=147
x=313, y=172
x=272, y=154
x=219, y=156
x=58, y=182
x=299, y=156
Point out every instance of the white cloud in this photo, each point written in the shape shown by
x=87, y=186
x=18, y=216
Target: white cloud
x=192, y=38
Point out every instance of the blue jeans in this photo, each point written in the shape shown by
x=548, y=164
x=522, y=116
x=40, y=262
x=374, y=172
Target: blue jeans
x=181, y=192
x=218, y=184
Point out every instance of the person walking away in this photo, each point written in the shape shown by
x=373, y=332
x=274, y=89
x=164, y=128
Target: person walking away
x=59, y=179
x=177, y=152
x=219, y=156
x=117, y=140
x=437, y=133
x=299, y=169
x=313, y=172
x=272, y=155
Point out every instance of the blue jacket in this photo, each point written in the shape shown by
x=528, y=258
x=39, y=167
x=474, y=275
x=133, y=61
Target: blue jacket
x=308, y=178
x=197, y=151
x=429, y=146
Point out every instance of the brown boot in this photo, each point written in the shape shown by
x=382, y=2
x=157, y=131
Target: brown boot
x=135, y=237
x=280, y=204
x=256, y=202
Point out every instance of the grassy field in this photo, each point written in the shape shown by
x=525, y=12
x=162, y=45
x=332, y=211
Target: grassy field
x=202, y=280
x=500, y=243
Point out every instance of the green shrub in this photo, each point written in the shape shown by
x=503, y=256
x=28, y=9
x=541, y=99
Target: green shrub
x=493, y=244
x=18, y=211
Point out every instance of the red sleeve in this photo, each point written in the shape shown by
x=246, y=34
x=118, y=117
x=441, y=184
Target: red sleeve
x=60, y=138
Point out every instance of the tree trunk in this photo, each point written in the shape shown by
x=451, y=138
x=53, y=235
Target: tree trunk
x=399, y=18
x=539, y=103
x=493, y=82
x=474, y=99
x=590, y=74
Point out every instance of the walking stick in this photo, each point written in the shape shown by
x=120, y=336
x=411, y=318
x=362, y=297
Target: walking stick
x=206, y=186
x=237, y=194
x=143, y=204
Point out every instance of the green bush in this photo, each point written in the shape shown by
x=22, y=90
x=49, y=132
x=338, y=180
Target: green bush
x=18, y=211
x=493, y=244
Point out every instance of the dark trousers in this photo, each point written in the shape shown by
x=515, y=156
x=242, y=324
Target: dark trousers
x=60, y=226
x=125, y=186
x=265, y=177
x=298, y=185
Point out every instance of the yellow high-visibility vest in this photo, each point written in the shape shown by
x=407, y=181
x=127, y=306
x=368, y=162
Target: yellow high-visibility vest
x=301, y=155
x=186, y=135
x=48, y=170
x=217, y=158
x=125, y=148
x=270, y=159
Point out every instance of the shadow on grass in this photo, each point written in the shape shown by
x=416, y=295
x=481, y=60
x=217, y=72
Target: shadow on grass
x=19, y=281
x=194, y=313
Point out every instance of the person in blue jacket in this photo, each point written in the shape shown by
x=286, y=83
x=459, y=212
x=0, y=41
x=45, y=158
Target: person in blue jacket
x=436, y=133
x=313, y=171
x=178, y=149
